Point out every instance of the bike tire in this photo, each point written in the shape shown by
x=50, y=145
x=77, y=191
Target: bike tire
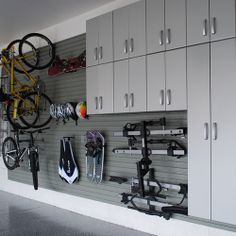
x=32, y=49
x=5, y=146
x=18, y=122
x=43, y=110
x=45, y=50
x=34, y=167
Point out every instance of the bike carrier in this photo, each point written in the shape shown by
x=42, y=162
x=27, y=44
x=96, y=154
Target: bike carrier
x=148, y=191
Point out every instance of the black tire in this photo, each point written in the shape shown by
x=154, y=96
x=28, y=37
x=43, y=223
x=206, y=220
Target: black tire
x=42, y=109
x=30, y=114
x=34, y=168
x=45, y=50
x=9, y=151
x=14, y=45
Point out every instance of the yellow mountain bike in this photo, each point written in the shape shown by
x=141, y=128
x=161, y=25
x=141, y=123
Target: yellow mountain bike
x=27, y=104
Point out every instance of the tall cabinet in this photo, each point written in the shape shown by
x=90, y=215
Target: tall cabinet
x=211, y=134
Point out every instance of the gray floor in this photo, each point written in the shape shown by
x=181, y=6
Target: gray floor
x=23, y=217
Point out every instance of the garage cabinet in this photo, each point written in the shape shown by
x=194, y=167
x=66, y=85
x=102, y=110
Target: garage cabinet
x=211, y=135
x=166, y=81
x=166, y=25
x=210, y=20
x=99, y=46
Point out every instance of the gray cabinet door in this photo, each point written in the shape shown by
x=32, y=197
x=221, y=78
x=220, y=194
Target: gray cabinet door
x=105, y=52
x=155, y=26
x=137, y=31
x=92, y=41
x=175, y=16
x=176, y=94
x=92, y=90
x=121, y=86
x=121, y=33
x=199, y=155
x=222, y=19
x=223, y=144
x=197, y=21
x=105, y=84
x=137, y=84
x=156, y=82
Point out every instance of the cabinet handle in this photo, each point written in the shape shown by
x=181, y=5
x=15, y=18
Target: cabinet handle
x=126, y=46
x=126, y=100
x=96, y=103
x=131, y=101
x=95, y=54
x=206, y=131
x=131, y=46
x=161, y=37
x=100, y=53
x=168, y=37
x=168, y=97
x=204, y=31
x=214, y=131
x=100, y=103
x=162, y=97
x=213, y=25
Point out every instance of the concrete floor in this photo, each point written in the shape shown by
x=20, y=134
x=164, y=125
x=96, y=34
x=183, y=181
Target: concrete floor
x=23, y=217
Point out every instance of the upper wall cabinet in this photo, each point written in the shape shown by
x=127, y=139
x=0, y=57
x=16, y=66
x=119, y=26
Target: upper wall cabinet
x=99, y=40
x=210, y=20
x=163, y=30
x=129, y=31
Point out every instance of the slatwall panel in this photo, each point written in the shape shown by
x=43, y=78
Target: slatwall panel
x=71, y=87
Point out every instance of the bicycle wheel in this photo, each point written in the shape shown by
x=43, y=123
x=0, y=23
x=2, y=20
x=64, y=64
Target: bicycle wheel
x=26, y=111
x=34, y=167
x=9, y=153
x=42, y=105
x=45, y=50
x=31, y=54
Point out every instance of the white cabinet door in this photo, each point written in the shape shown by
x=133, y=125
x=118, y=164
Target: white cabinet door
x=92, y=90
x=156, y=82
x=222, y=19
x=197, y=21
x=105, y=52
x=223, y=144
x=92, y=41
x=155, y=26
x=137, y=31
x=176, y=94
x=175, y=16
x=105, y=84
x=121, y=86
x=121, y=33
x=137, y=84
x=199, y=136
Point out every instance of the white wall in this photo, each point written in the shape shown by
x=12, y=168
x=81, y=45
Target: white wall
x=107, y=212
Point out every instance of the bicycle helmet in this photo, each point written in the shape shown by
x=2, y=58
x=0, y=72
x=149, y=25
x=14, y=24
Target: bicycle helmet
x=81, y=110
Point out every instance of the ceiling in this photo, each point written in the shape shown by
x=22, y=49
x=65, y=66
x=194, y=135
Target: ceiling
x=19, y=17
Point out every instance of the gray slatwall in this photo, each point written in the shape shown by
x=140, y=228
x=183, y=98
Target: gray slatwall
x=72, y=87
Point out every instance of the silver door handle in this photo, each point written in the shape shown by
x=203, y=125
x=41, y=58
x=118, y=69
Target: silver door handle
x=162, y=97
x=168, y=97
x=214, y=131
x=213, y=25
x=168, y=37
x=96, y=102
x=161, y=37
x=206, y=131
x=95, y=53
x=126, y=46
x=131, y=45
x=131, y=101
x=204, y=30
x=100, y=53
x=100, y=103
x=126, y=100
